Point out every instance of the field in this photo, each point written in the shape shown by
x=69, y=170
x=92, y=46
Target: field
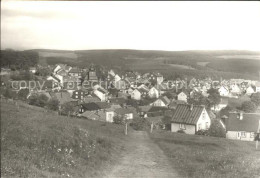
x=39, y=144
x=201, y=156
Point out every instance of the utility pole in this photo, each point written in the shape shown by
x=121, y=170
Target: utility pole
x=151, y=127
x=258, y=136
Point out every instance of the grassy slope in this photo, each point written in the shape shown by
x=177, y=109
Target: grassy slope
x=198, y=156
x=39, y=144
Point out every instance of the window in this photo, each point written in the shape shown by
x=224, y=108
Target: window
x=199, y=127
x=182, y=126
x=243, y=134
x=76, y=96
x=207, y=125
x=238, y=134
x=203, y=116
x=252, y=135
x=76, y=92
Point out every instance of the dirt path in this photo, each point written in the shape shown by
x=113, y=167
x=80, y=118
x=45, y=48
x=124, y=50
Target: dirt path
x=142, y=158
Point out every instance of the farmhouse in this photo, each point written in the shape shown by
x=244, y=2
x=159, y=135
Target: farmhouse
x=190, y=119
x=242, y=126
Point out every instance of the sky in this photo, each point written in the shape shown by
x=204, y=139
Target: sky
x=171, y=26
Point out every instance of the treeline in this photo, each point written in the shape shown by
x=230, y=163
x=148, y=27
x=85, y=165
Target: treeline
x=246, y=66
x=19, y=60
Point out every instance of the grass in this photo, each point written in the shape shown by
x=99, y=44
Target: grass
x=200, y=156
x=40, y=144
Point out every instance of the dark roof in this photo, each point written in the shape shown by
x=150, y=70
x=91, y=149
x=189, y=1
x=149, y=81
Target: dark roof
x=184, y=114
x=95, y=106
x=123, y=111
x=75, y=70
x=117, y=100
x=158, y=109
x=249, y=123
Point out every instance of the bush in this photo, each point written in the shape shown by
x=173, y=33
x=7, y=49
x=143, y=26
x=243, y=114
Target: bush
x=23, y=93
x=167, y=122
x=118, y=120
x=203, y=132
x=38, y=100
x=181, y=131
x=53, y=104
x=140, y=124
x=248, y=106
x=216, y=129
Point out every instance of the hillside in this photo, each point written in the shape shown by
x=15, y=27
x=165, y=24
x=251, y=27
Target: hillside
x=39, y=144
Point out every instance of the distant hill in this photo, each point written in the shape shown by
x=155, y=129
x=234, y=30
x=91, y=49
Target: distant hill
x=223, y=62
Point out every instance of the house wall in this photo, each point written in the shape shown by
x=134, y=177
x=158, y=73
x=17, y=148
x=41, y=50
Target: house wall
x=182, y=97
x=189, y=129
x=100, y=95
x=257, y=89
x=110, y=116
x=236, y=135
x=159, y=103
x=136, y=95
x=203, y=120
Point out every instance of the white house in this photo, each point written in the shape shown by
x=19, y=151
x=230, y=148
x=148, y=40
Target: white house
x=223, y=91
x=182, y=96
x=153, y=93
x=234, y=89
x=136, y=95
x=162, y=101
x=101, y=94
x=242, y=126
x=190, y=119
x=257, y=87
x=250, y=90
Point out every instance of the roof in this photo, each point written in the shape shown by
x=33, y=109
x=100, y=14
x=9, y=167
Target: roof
x=95, y=106
x=70, y=85
x=118, y=100
x=75, y=70
x=184, y=114
x=165, y=99
x=123, y=111
x=249, y=123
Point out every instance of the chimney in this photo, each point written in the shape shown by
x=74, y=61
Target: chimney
x=191, y=107
x=240, y=116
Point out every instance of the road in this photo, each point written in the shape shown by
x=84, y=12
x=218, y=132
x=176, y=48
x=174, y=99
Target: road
x=142, y=158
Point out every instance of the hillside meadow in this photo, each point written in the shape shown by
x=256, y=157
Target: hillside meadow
x=35, y=143
x=197, y=156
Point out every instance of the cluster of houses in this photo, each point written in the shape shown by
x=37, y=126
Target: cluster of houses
x=103, y=100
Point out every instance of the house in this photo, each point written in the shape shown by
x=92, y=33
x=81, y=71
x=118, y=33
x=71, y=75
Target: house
x=143, y=110
x=223, y=91
x=250, y=90
x=101, y=94
x=182, y=96
x=76, y=72
x=222, y=104
x=162, y=101
x=190, y=119
x=127, y=113
x=136, y=94
x=242, y=126
x=92, y=75
x=70, y=87
x=257, y=87
x=153, y=93
x=78, y=94
x=235, y=90
x=32, y=70
x=93, y=106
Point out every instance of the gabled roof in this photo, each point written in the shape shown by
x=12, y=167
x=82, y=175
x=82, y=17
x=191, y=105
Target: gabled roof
x=165, y=99
x=184, y=114
x=123, y=111
x=75, y=70
x=249, y=123
x=118, y=100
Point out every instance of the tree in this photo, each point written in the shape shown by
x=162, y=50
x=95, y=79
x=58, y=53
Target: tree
x=214, y=97
x=38, y=100
x=256, y=98
x=23, y=93
x=216, y=129
x=118, y=120
x=67, y=108
x=53, y=104
x=248, y=106
x=167, y=122
x=140, y=124
x=199, y=99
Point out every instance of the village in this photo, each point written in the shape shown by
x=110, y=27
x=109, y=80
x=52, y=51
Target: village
x=177, y=105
